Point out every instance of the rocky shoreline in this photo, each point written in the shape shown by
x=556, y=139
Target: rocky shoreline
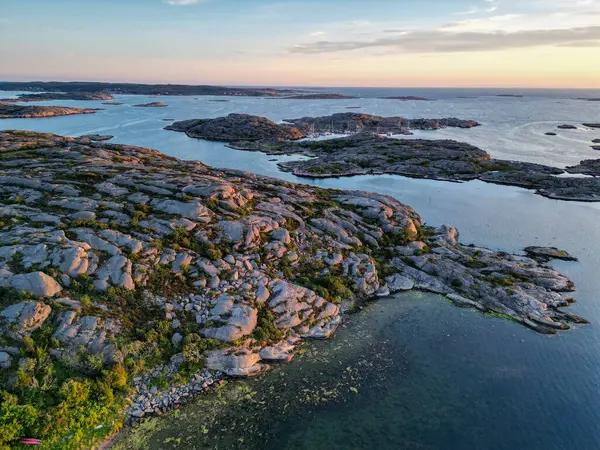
x=128, y=271
x=12, y=111
x=373, y=152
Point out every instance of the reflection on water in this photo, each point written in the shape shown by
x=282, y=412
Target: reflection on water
x=412, y=371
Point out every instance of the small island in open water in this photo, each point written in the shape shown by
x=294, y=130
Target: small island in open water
x=12, y=111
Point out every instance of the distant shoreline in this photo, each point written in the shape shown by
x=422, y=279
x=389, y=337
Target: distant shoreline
x=141, y=89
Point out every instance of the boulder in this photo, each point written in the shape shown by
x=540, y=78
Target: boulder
x=397, y=283
x=548, y=253
x=193, y=209
x=282, y=352
x=241, y=322
x=242, y=363
x=5, y=360
x=36, y=283
x=262, y=294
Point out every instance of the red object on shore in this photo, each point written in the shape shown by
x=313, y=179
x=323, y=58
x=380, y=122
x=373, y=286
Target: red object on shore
x=30, y=441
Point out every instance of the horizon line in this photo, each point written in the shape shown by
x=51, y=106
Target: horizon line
x=281, y=86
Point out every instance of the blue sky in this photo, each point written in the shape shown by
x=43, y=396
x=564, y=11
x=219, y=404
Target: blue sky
x=290, y=42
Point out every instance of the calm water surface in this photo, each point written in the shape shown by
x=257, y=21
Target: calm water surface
x=411, y=371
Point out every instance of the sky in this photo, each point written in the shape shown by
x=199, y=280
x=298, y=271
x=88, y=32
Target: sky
x=408, y=43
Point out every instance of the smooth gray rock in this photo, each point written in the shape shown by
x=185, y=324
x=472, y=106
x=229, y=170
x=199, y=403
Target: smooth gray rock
x=36, y=283
x=397, y=283
x=243, y=363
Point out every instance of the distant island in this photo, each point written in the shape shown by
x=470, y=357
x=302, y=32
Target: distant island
x=141, y=89
x=151, y=105
x=47, y=96
x=408, y=98
x=510, y=95
x=12, y=111
x=320, y=97
x=360, y=122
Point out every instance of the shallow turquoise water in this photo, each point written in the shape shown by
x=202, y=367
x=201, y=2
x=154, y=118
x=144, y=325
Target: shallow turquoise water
x=428, y=375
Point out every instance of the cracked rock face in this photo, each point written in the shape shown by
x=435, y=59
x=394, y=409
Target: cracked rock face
x=23, y=318
x=252, y=263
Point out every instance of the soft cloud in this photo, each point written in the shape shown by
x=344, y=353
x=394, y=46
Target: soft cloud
x=428, y=41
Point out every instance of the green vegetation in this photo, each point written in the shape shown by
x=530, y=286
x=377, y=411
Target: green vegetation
x=331, y=287
x=501, y=281
x=474, y=263
x=86, y=176
x=328, y=146
x=194, y=346
x=90, y=223
x=66, y=406
x=499, y=168
x=333, y=169
x=266, y=331
x=181, y=238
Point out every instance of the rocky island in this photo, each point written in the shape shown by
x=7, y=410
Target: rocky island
x=132, y=281
x=152, y=105
x=324, y=96
x=370, y=153
x=408, y=98
x=12, y=111
x=47, y=96
x=239, y=127
x=367, y=123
